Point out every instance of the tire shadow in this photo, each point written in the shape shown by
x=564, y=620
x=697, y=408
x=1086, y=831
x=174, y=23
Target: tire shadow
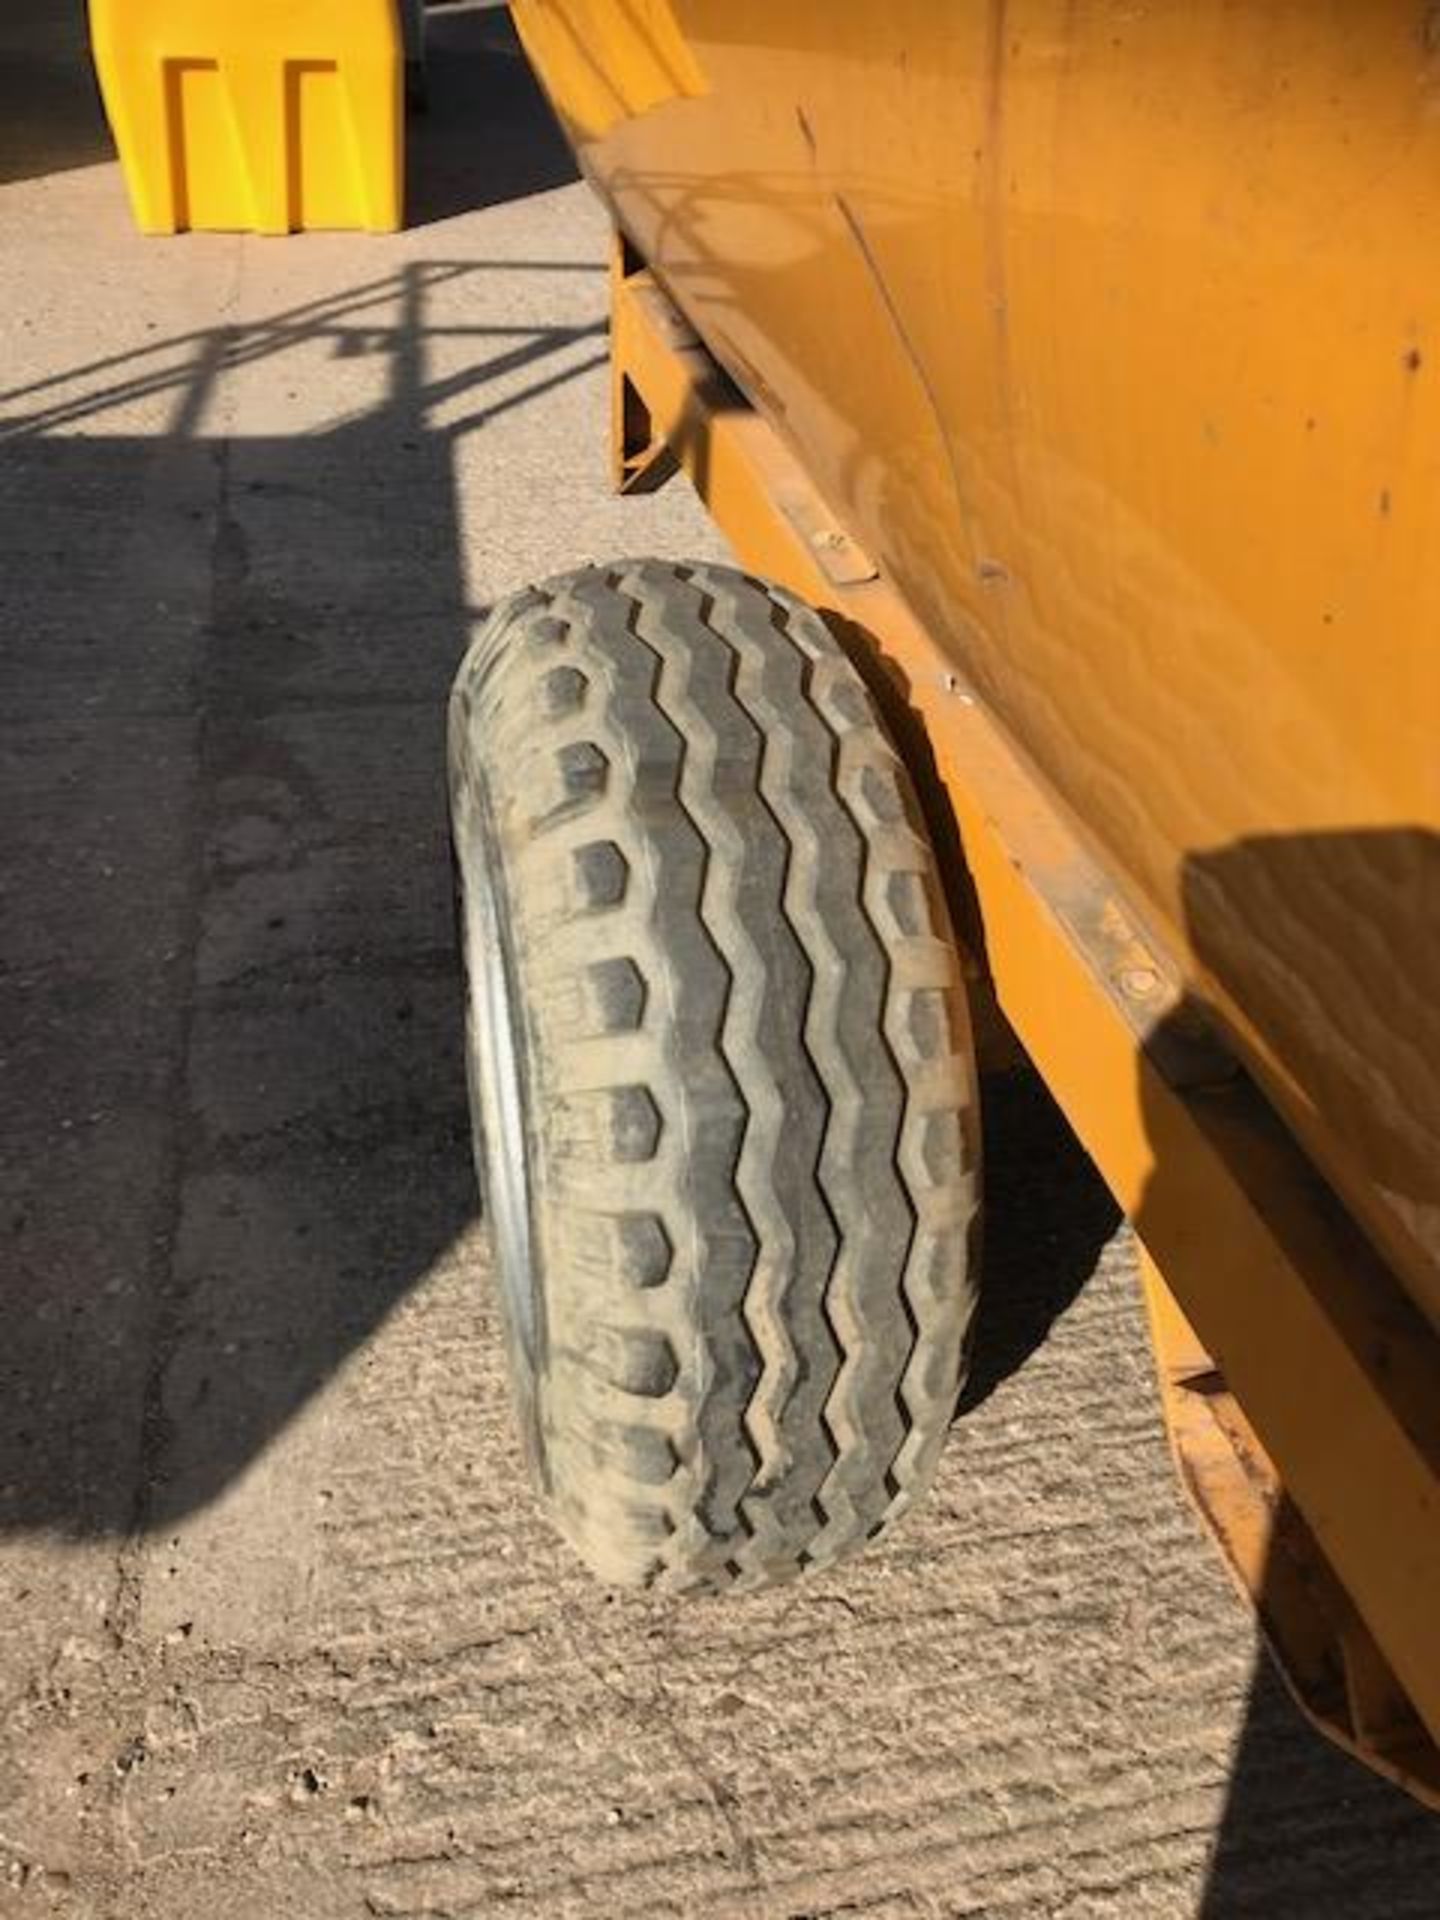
x=1048, y=1217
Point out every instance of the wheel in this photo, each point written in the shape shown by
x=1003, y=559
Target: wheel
x=721, y=1073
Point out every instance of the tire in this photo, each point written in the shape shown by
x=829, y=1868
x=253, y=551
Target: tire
x=721, y=1074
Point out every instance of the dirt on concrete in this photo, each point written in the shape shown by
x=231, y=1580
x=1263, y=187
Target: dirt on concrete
x=281, y=1632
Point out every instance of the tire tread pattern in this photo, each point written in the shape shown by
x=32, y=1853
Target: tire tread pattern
x=753, y=1155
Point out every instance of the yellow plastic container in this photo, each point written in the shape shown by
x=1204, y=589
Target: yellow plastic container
x=263, y=116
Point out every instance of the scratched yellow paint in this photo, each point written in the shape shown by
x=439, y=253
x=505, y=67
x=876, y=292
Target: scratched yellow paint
x=1113, y=333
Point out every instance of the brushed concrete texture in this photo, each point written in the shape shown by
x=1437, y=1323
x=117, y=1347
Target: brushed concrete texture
x=281, y=1632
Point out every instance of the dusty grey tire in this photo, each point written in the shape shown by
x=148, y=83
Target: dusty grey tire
x=721, y=1073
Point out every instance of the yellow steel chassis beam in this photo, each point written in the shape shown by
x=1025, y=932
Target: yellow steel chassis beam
x=1301, y=1387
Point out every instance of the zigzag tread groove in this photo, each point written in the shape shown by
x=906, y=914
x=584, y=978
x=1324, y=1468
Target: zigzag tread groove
x=757, y=1377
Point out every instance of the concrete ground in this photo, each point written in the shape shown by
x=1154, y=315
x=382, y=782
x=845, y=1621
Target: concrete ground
x=280, y=1630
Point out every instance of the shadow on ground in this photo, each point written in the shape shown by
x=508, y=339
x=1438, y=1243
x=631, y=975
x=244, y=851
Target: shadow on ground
x=486, y=135
x=1048, y=1218
x=233, y=1130
x=232, y=1116
x=50, y=113
x=1310, y=1834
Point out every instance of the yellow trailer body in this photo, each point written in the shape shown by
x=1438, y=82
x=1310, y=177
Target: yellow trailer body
x=1114, y=335
x=1086, y=359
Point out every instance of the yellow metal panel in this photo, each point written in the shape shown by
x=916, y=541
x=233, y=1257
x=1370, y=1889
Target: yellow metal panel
x=1113, y=334
x=268, y=116
x=646, y=59
x=1333, y=1365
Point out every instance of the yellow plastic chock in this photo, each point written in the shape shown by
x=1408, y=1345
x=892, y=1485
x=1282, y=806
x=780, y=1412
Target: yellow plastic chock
x=262, y=116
